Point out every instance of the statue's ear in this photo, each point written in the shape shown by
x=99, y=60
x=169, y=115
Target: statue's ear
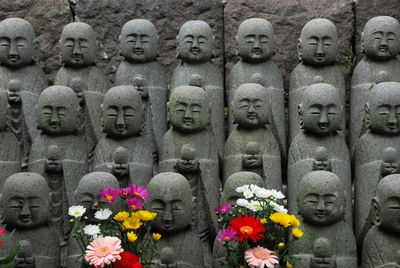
x=76, y=195
x=119, y=44
x=367, y=115
x=237, y=46
x=102, y=117
x=362, y=42
x=377, y=218
x=214, y=49
x=299, y=50
x=177, y=47
x=81, y=119
x=300, y=112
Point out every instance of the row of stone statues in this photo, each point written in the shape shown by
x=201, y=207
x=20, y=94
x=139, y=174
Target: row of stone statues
x=81, y=124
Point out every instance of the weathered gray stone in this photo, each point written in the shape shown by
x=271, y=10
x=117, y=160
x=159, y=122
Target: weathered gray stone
x=382, y=242
x=236, y=180
x=375, y=150
x=321, y=203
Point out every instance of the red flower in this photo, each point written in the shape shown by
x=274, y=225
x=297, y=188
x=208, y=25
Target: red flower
x=247, y=227
x=128, y=260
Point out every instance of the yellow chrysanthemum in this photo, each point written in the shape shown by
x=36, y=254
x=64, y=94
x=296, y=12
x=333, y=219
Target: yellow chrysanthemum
x=297, y=232
x=281, y=244
x=263, y=221
x=281, y=218
x=132, y=223
x=289, y=265
x=146, y=215
x=156, y=236
x=294, y=221
x=121, y=216
x=132, y=237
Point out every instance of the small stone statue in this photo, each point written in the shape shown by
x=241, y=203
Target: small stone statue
x=321, y=203
x=256, y=46
x=177, y=221
x=124, y=151
x=79, y=72
x=319, y=146
x=376, y=150
x=22, y=77
x=87, y=194
x=189, y=148
x=380, y=44
x=195, y=50
x=139, y=46
x=382, y=242
x=25, y=203
x=252, y=146
x=58, y=153
x=318, y=51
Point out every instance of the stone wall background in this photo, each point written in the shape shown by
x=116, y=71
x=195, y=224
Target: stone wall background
x=48, y=17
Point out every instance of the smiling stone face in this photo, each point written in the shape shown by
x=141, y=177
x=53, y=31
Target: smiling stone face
x=319, y=42
x=255, y=40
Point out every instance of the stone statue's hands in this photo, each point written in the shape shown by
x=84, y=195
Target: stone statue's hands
x=187, y=165
x=120, y=169
x=26, y=262
x=388, y=168
x=322, y=165
x=54, y=166
x=13, y=97
x=251, y=160
x=320, y=262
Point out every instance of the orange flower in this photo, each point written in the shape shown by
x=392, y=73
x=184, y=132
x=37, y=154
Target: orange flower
x=247, y=227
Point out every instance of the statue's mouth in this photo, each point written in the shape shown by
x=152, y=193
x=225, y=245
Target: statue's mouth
x=25, y=219
x=323, y=126
x=13, y=58
x=139, y=51
x=167, y=224
x=195, y=51
x=256, y=51
x=121, y=129
x=320, y=214
x=252, y=116
x=383, y=48
x=188, y=122
x=77, y=57
x=55, y=125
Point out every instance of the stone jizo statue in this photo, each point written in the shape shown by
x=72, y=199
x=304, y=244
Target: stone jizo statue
x=322, y=254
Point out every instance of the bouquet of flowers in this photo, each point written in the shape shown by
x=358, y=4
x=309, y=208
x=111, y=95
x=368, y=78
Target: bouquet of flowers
x=257, y=231
x=121, y=240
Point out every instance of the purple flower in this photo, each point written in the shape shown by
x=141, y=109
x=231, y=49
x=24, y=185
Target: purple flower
x=110, y=194
x=224, y=208
x=134, y=203
x=137, y=191
x=226, y=235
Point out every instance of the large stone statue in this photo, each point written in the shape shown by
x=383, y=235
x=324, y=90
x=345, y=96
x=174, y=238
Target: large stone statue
x=375, y=149
x=195, y=50
x=87, y=194
x=139, y=46
x=319, y=146
x=256, y=45
x=321, y=203
x=382, y=242
x=318, y=51
x=22, y=77
x=79, y=72
x=380, y=44
x=178, y=221
x=189, y=148
x=252, y=146
x=59, y=154
x=25, y=203
x=124, y=151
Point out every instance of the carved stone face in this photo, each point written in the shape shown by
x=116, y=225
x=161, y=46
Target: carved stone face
x=321, y=111
x=321, y=198
x=58, y=109
x=319, y=42
x=195, y=42
x=88, y=195
x=17, y=42
x=236, y=180
x=188, y=109
x=139, y=41
x=384, y=108
x=78, y=45
x=387, y=203
x=25, y=201
x=122, y=112
x=255, y=40
x=251, y=106
x=170, y=197
x=381, y=38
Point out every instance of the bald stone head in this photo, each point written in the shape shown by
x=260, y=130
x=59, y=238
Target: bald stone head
x=171, y=198
x=251, y=106
x=25, y=201
x=239, y=179
x=17, y=42
x=255, y=40
x=321, y=198
x=189, y=109
x=380, y=39
x=122, y=112
x=318, y=43
x=386, y=203
x=139, y=41
x=195, y=42
x=58, y=111
x=87, y=193
x=383, y=108
x=78, y=45
x=320, y=113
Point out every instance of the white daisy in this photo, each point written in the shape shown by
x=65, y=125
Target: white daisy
x=91, y=229
x=255, y=205
x=277, y=194
x=103, y=214
x=76, y=211
x=248, y=193
x=243, y=188
x=263, y=193
x=277, y=207
x=241, y=202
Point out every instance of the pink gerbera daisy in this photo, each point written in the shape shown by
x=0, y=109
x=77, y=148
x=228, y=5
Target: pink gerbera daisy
x=226, y=235
x=260, y=257
x=224, y=208
x=110, y=194
x=134, y=203
x=103, y=250
x=138, y=191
